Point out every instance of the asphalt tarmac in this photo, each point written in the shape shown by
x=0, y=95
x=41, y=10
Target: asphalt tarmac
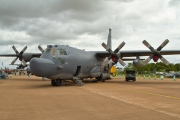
x=23, y=98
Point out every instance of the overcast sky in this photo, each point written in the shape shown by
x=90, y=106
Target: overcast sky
x=84, y=24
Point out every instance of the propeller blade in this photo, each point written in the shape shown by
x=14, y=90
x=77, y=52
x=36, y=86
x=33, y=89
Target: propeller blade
x=119, y=47
x=106, y=47
x=164, y=60
x=41, y=49
x=122, y=62
x=12, y=63
x=15, y=50
x=105, y=62
x=24, y=63
x=23, y=50
x=147, y=60
x=148, y=45
x=163, y=44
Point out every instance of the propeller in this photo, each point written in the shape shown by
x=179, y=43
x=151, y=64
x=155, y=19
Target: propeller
x=21, y=66
x=19, y=55
x=113, y=54
x=156, y=52
x=41, y=49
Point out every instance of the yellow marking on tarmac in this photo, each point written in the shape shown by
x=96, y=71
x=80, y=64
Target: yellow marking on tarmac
x=155, y=94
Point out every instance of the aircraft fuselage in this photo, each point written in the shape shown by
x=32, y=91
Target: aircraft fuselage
x=64, y=62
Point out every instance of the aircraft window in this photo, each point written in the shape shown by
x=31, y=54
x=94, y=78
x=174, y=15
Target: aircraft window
x=62, y=52
x=53, y=52
x=65, y=53
x=61, y=61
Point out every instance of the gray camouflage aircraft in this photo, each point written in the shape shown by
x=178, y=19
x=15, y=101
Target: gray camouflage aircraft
x=62, y=62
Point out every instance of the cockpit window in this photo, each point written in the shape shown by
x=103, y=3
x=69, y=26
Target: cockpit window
x=65, y=53
x=62, y=52
x=55, y=51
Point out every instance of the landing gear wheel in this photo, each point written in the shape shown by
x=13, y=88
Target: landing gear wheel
x=102, y=80
x=98, y=78
x=56, y=82
x=82, y=79
x=53, y=82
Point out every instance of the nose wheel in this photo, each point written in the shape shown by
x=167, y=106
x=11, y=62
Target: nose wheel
x=56, y=82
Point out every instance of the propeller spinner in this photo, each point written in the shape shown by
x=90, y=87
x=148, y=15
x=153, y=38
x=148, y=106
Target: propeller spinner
x=156, y=52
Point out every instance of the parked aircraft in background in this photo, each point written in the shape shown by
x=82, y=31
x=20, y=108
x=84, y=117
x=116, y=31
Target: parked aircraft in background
x=62, y=62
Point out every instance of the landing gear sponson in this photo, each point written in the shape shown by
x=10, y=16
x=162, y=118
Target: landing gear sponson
x=59, y=82
x=56, y=82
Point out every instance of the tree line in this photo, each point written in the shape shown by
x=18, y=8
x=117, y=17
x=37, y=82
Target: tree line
x=155, y=67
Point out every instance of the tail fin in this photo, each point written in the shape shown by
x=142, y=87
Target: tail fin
x=109, y=39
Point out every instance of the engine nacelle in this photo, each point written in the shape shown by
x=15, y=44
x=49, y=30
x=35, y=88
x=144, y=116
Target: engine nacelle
x=137, y=63
x=95, y=72
x=27, y=57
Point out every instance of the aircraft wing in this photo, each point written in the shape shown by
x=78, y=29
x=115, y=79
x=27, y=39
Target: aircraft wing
x=8, y=55
x=134, y=53
x=15, y=55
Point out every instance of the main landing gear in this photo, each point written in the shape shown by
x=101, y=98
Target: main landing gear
x=56, y=82
x=100, y=78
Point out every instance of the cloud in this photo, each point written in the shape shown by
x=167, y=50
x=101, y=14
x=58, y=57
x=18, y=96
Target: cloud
x=84, y=24
x=174, y=3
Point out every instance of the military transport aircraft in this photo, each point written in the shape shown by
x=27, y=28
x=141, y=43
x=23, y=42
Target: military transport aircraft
x=62, y=62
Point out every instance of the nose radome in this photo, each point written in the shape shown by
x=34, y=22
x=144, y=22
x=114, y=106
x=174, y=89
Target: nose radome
x=42, y=67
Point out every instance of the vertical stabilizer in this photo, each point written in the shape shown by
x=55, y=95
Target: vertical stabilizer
x=109, y=39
